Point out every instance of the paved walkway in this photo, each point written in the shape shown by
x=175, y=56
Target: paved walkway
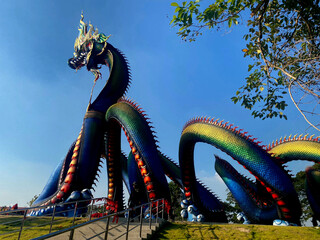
x=96, y=230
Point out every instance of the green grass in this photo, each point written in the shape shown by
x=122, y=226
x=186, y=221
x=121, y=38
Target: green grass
x=177, y=230
x=182, y=230
x=31, y=227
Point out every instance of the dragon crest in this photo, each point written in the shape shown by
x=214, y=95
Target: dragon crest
x=88, y=46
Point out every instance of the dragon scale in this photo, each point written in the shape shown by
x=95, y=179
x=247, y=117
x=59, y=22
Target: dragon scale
x=253, y=200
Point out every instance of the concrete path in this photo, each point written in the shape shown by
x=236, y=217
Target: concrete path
x=97, y=229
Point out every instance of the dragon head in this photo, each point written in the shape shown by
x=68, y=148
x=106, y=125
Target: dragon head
x=88, y=49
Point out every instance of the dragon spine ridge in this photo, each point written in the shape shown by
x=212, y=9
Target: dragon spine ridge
x=244, y=182
x=142, y=113
x=289, y=139
x=226, y=126
x=197, y=179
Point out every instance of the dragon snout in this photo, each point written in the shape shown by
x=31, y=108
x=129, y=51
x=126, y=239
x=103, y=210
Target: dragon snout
x=78, y=61
x=71, y=63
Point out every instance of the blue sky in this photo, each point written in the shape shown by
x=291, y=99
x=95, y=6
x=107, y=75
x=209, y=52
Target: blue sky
x=43, y=101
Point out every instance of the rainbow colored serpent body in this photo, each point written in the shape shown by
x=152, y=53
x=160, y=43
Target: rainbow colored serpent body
x=248, y=153
x=272, y=196
x=302, y=147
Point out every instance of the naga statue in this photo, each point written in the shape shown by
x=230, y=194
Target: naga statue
x=271, y=196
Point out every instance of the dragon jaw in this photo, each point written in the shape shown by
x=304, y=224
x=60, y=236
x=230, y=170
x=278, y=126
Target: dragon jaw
x=78, y=61
x=89, y=47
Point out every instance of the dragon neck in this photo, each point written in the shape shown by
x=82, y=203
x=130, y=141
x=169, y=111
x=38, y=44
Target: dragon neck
x=117, y=83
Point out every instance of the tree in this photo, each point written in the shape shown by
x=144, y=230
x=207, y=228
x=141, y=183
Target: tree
x=232, y=208
x=282, y=41
x=299, y=185
x=176, y=198
x=299, y=182
x=35, y=197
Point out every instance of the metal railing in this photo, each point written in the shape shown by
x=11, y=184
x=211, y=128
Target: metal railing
x=20, y=220
x=98, y=206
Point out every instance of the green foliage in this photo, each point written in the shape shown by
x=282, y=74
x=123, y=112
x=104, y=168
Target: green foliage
x=299, y=182
x=176, y=198
x=282, y=42
x=232, y=208
x=35, y=197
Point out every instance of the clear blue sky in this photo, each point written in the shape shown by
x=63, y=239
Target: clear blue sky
x=43, y=101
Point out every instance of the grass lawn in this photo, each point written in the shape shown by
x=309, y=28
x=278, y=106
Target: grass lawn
x=183, y=230
x=38, y=226
x=33, y=227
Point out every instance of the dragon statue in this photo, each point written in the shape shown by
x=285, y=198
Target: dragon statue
x=100, y=134
x=271, y=196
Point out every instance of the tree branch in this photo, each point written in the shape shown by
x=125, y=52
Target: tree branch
x=296, y=105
